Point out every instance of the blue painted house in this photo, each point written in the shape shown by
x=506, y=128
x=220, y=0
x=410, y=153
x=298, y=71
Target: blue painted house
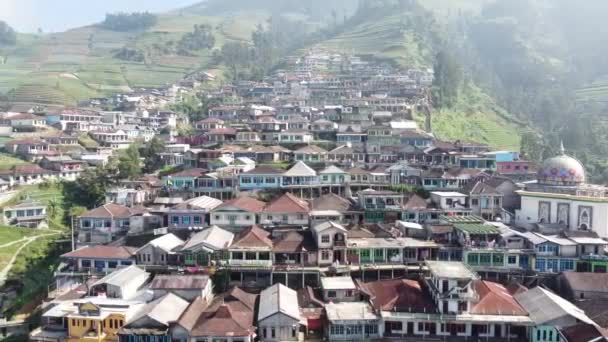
x=183, y=180
x=262, y=177
x=553, y=253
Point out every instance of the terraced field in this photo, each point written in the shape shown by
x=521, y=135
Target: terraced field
x=384, y=39
x=596, y=91
x=63, y=68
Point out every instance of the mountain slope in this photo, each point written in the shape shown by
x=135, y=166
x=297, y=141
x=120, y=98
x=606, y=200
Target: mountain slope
x=62, y=68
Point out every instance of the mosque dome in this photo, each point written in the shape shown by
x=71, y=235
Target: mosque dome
x=561, y=170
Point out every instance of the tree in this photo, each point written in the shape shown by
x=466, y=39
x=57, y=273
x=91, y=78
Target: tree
x=151, y=154
x=89, y=190
x=201, y=38
x=8, y=36
x=129, y=163
x=129, y=21
x=236, y=55
x=52, y=208
x=447, y=81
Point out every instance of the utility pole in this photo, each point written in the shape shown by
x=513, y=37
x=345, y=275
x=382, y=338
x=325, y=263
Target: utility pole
x=72, y=228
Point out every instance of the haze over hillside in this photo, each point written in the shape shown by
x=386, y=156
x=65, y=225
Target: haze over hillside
x=52, y=16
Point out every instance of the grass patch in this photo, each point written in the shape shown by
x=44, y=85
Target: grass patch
x=7, y=161
x=86, y=141
x=34, y=270
x=475, y=117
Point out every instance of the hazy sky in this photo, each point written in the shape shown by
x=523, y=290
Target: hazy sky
x=59, y=15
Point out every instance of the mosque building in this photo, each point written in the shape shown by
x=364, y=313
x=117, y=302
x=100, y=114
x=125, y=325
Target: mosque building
x=561, y=197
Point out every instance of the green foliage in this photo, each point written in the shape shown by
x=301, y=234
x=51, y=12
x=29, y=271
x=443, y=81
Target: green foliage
x=201, y=38
x=129, y=21
x=8, y=36
x=129, y=163
x=128, y=54
x=448, y=77
x=236, y=56
x=151, y=153
x=90, y=188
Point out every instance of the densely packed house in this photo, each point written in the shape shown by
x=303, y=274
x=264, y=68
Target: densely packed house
x=311, y=206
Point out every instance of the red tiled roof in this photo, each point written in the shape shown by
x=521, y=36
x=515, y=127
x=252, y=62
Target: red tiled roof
x=244, y=203
x=230, y=314
x=294, y=242
x=190, y=316
x=110, y=210
x=253, y=237
x=26, y=169
x=211, y=120
x=495, y=299
x=287, y=203
x=189, y=173
x=31, y=141
x=398, y=294
x=102, y=252
x=222, y=131
x=583, y=332
x=416, y=202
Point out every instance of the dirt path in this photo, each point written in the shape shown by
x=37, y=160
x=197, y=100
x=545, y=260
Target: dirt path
x=4, y=272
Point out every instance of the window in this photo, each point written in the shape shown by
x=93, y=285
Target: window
x=269, y=217
x=217, y=217
x=196, y=219
x=474, y=201
x=293, y=332
x=112, y=264
x=349, y=293
x=272, y=332
x=263, y=256
x=251, y=256
x=485, y=259
x=512, y=260
x=325, y=255
x=174, y=219
x=285, y=218
x=246, y=180
x=337, y=330
x=237, y=255
x=324, y=238
x=300, y=216
x=185, y=219
x=247, y=217
x=371, y=329
x=270, y=180
x=265, y=332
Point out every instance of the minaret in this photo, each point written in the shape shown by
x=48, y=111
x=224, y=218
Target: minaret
x=562, y=150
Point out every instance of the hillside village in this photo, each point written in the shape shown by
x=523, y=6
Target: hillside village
x=316, y=205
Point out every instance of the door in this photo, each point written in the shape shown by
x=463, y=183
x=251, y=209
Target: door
x=497, y=330
x=232, y=220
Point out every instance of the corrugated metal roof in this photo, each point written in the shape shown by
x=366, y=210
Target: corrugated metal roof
x=338, y=283
x=122, y=276
x=167, y=242
x=213, y=237
x=279, y=299
x=545, y=306
x=300, y=169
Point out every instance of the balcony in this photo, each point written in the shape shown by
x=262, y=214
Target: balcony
x=250, y=263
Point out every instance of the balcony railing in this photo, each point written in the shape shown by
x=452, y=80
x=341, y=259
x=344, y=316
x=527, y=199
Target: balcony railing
x=252, y=263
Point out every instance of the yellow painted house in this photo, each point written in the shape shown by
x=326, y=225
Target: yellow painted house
x=93, y=319
x=93, y=323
